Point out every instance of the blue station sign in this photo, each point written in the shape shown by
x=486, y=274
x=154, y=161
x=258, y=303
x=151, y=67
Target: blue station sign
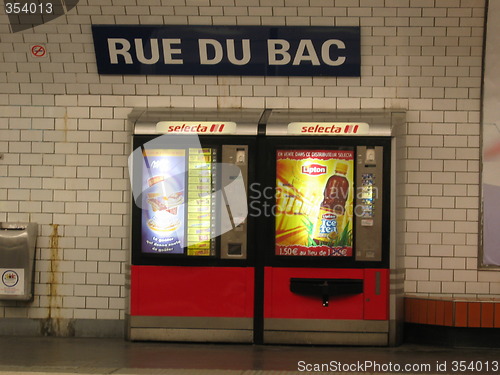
x=228, y=50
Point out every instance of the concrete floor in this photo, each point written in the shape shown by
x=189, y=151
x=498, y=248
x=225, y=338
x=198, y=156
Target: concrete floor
x=44, y=355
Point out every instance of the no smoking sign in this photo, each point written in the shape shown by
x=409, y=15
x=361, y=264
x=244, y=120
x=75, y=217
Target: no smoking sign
x=37, y=52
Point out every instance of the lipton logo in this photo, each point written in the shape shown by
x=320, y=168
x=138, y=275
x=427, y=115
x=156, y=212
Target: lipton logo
x=328, y=216
x=314, y=169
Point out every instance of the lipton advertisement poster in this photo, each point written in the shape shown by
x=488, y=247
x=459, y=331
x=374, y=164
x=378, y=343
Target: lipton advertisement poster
x=314, y=208
x=163, y=201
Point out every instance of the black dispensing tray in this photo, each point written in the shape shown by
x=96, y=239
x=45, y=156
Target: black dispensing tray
x=326, y=288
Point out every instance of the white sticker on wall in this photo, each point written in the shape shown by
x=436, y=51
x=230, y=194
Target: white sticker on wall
x=12, y=281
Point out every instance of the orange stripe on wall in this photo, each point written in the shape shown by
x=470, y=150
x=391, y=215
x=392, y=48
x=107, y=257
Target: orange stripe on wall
x=487, y=315
x=431, y=312
x=497, y=315
x=448, y=313
x=408, y=310
x=460, y=314
x=474, y=314
x=440, y=313
x=422, y=311
x=411, y=310
x=453, y=313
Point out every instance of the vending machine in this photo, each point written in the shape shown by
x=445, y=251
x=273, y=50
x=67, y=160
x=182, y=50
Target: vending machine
x=328, y=267
x=192, y=267
x=264, y=226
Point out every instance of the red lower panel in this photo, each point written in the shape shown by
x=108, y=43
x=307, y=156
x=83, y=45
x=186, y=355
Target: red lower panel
x=280, y=302
x=376, y=293
x=192, y=291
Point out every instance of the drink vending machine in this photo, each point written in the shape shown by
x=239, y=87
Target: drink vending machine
x=326, y=267
x=192, y=271
x=264, y=226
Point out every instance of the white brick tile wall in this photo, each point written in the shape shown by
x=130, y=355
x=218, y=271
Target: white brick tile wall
x=66, y=139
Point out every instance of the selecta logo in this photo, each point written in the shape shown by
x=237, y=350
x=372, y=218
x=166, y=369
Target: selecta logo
x=313, y=169
x=318, y=129
x=214, y=128
x=329, y=128
x=193, y=127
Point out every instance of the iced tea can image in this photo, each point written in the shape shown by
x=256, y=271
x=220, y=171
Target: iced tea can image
x=326, y=226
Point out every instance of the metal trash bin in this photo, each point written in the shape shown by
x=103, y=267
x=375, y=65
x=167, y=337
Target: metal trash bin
x=17, y=260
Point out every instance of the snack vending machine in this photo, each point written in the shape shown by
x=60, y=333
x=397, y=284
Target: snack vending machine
x=326, y=270
x=192, y=266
